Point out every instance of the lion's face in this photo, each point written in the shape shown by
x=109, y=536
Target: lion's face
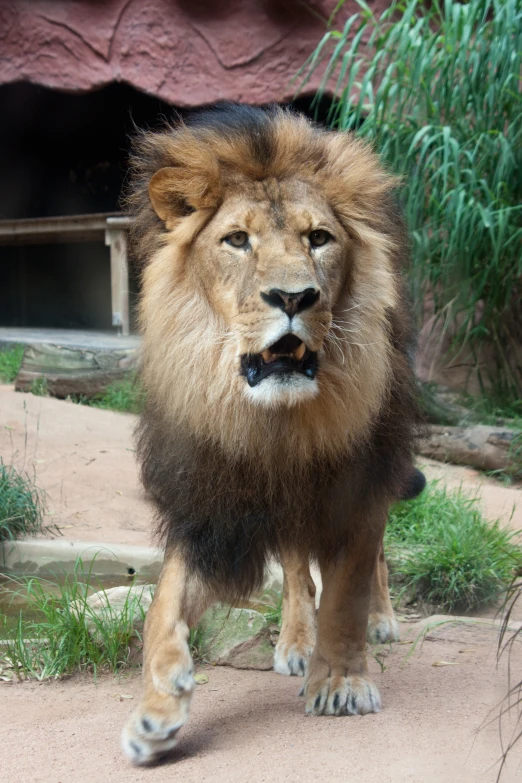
x=272, y=262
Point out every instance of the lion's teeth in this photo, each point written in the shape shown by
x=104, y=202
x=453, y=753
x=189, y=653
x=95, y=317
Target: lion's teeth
x=300, y=352
x=267, y=356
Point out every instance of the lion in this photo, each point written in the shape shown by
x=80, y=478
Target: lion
x=281, y=411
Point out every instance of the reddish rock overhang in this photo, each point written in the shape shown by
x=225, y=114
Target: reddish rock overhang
x=186, y=52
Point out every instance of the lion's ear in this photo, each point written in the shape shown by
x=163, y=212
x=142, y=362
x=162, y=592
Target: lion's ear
x=175, y=192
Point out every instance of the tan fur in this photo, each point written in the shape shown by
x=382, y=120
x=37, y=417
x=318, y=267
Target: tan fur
x=382, y=625
x=298, y=628
x=168, y=669
x=337, y=681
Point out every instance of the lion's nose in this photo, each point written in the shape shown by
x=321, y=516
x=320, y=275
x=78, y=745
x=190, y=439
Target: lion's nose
x=291, y=302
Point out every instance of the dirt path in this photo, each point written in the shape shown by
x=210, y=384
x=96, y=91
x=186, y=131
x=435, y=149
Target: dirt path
x=250, y=726
x=84, y=459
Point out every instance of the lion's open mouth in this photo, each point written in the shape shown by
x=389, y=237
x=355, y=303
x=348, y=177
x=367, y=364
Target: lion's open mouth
x=287, y=355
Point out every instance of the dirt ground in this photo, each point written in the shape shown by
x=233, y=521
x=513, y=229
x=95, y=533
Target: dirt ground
x=245, y=726
x=84, y=460
x=250, y=726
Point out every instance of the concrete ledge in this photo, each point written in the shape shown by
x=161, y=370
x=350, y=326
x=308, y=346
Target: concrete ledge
x=47, y=558
x=50, y=558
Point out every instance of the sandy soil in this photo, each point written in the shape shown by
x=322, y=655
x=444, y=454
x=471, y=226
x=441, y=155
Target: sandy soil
x=84, y=459
x=245, y=726
x=250, y=726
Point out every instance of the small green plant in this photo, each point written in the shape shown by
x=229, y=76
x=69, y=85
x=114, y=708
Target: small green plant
x=195, y=641
x=10, y=361
x=58, y=632
x=22, y=504
x=446, y=553
x=40, y=387
x=271, y=606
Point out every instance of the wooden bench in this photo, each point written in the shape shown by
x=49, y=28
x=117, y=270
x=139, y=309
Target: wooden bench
x=110, y=228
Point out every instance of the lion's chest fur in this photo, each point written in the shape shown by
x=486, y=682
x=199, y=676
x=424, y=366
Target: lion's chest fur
x=229, y=514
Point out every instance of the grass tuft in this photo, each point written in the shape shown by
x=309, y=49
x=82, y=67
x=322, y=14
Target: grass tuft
x=446, y=554
x=58, y=633
x=10, y=362
x=271, y=606
x=125, y=396
x=21, y=504
x=40, y=387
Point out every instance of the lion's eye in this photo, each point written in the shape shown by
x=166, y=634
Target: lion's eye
x=237, y=239
x=319, y=237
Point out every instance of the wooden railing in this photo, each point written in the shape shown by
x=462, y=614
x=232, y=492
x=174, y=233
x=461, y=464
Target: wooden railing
x=110, y=228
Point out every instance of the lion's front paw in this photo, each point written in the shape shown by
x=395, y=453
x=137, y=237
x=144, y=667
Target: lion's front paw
x=340, y=695
x=152, y=728
x=292, y=658
x=382, y=628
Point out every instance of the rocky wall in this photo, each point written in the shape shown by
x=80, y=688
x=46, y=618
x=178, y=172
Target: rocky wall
x=187, y=52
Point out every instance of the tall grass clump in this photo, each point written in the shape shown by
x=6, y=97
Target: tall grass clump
x=58, y=632
x=435, y=87
x=22, y=504
x=446, y=554
x=10, y=361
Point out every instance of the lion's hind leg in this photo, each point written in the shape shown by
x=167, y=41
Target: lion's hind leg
x=297, y=637
x=382, y=625
x=168, y=669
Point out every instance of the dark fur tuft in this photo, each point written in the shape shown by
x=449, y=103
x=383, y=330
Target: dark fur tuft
x=239, y=120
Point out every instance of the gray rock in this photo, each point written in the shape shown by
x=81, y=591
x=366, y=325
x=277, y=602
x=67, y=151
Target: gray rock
x=241, y=638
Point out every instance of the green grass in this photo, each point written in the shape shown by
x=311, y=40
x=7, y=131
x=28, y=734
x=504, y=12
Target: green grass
x=10, y=361
x=125, y=396
x=22, y=504
x=446, y=554
x=40, y=387
x=435, y=87
x=58, y=633
x=495, y=412
x=271, y=606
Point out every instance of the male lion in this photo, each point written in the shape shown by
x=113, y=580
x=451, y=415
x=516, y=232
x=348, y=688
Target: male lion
x=280, y=403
